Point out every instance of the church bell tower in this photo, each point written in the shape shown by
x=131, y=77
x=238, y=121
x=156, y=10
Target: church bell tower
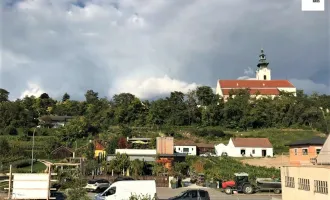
x=263, y=72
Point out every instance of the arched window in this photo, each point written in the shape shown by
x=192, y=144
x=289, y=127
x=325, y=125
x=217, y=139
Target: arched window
x=265, y=77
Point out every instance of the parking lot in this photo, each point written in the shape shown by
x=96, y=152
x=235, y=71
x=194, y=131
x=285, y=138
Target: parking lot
x=165, y=193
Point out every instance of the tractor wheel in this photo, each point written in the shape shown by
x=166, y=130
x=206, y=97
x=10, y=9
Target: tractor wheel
x=247, y=189
x=228, y=190
x=277, y=191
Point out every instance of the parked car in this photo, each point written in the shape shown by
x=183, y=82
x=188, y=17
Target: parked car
x=123, y=178
x=193, y=194
x=124, y=190
x=97, y=185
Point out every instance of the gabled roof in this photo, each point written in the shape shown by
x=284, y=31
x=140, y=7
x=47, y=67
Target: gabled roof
x=313, y=141
x=99, y=146
x=255, y=84
x=324, y=157
x=252, y=142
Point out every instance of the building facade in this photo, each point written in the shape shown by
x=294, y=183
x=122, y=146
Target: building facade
x=304, y=152
x=305, y=182
x=246, y=147
x=189, y=150
x=165, y=145
x=259, y=87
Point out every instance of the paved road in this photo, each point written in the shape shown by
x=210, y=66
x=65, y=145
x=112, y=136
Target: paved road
x=165, y=193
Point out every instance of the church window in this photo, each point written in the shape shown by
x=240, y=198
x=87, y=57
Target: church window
x=265, y=77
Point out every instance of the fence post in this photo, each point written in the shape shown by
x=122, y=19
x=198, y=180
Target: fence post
x=10, y=179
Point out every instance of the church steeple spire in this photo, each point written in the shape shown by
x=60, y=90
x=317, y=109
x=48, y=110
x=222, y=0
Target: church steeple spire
x=262, y=60
x=263, y=72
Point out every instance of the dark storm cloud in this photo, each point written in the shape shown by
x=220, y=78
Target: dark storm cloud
x=129, y=45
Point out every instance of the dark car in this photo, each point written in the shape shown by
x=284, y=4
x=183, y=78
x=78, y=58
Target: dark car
x=194, y=194
x=123, y=178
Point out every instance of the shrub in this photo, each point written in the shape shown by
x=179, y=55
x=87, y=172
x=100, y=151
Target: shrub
x=10, y=130
x=142, y=197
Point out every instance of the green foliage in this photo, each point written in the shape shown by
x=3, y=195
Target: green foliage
x=223, y=168
x=112, y=145
x=142, y=197
x=119, y=163
x=10, y=130
x=90, y=151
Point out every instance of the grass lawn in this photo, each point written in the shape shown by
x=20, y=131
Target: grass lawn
x=37, y=167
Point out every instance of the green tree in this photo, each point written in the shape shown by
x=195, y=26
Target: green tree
x=205, y=95
x=119, y=163
x=4, y=95
x=91, y=97
x=136, y=166
x=65, y=97
x=4, y=148
x=112, y=145
x=90, y=151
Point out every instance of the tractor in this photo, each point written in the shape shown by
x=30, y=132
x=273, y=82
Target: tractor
x=240, y=184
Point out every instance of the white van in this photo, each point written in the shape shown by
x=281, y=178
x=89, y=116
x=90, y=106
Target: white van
x=123, y=190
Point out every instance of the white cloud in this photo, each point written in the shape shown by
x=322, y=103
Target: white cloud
x=151, y=87
x=33, y=90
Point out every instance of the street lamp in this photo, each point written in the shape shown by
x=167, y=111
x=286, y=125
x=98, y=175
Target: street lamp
x=326, y=123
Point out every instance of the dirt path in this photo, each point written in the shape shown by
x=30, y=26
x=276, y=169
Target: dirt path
x=276, y=162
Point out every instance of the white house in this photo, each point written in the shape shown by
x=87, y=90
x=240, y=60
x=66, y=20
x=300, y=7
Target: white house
x=246, y=147
x=188, y=149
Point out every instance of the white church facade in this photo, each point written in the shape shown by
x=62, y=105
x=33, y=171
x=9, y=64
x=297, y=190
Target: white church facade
x=260, y=86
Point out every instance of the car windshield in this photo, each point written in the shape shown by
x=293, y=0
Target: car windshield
x=91, y=181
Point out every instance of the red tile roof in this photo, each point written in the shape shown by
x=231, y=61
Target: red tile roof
x=99, y=146
x=228, y=84
x=255, y=91
x=252, y=142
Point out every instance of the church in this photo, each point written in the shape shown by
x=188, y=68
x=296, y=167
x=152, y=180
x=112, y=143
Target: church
x=261, y=86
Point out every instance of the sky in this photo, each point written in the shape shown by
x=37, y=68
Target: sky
x=152, y=47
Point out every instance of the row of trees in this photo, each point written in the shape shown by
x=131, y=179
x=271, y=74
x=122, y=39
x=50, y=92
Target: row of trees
x=199, y=107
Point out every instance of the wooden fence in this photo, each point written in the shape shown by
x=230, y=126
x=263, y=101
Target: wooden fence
x=161, y=181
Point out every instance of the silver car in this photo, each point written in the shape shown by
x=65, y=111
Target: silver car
x=97, y=185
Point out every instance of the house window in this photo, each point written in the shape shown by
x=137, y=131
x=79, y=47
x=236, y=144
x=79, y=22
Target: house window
x=321, y=187
x=305, y=151
x=295, y=152
x=253, y=151
x=318, y=151
x=289, y=182
x=303, y=184
x=185, y=150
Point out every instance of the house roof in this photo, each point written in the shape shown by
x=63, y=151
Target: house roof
x=313, y=141
x=252, y=142
x=255, y=84
x=191, y=143
x=272, y=91
x=324, y=157
x=55, y=118
x=99, y=146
